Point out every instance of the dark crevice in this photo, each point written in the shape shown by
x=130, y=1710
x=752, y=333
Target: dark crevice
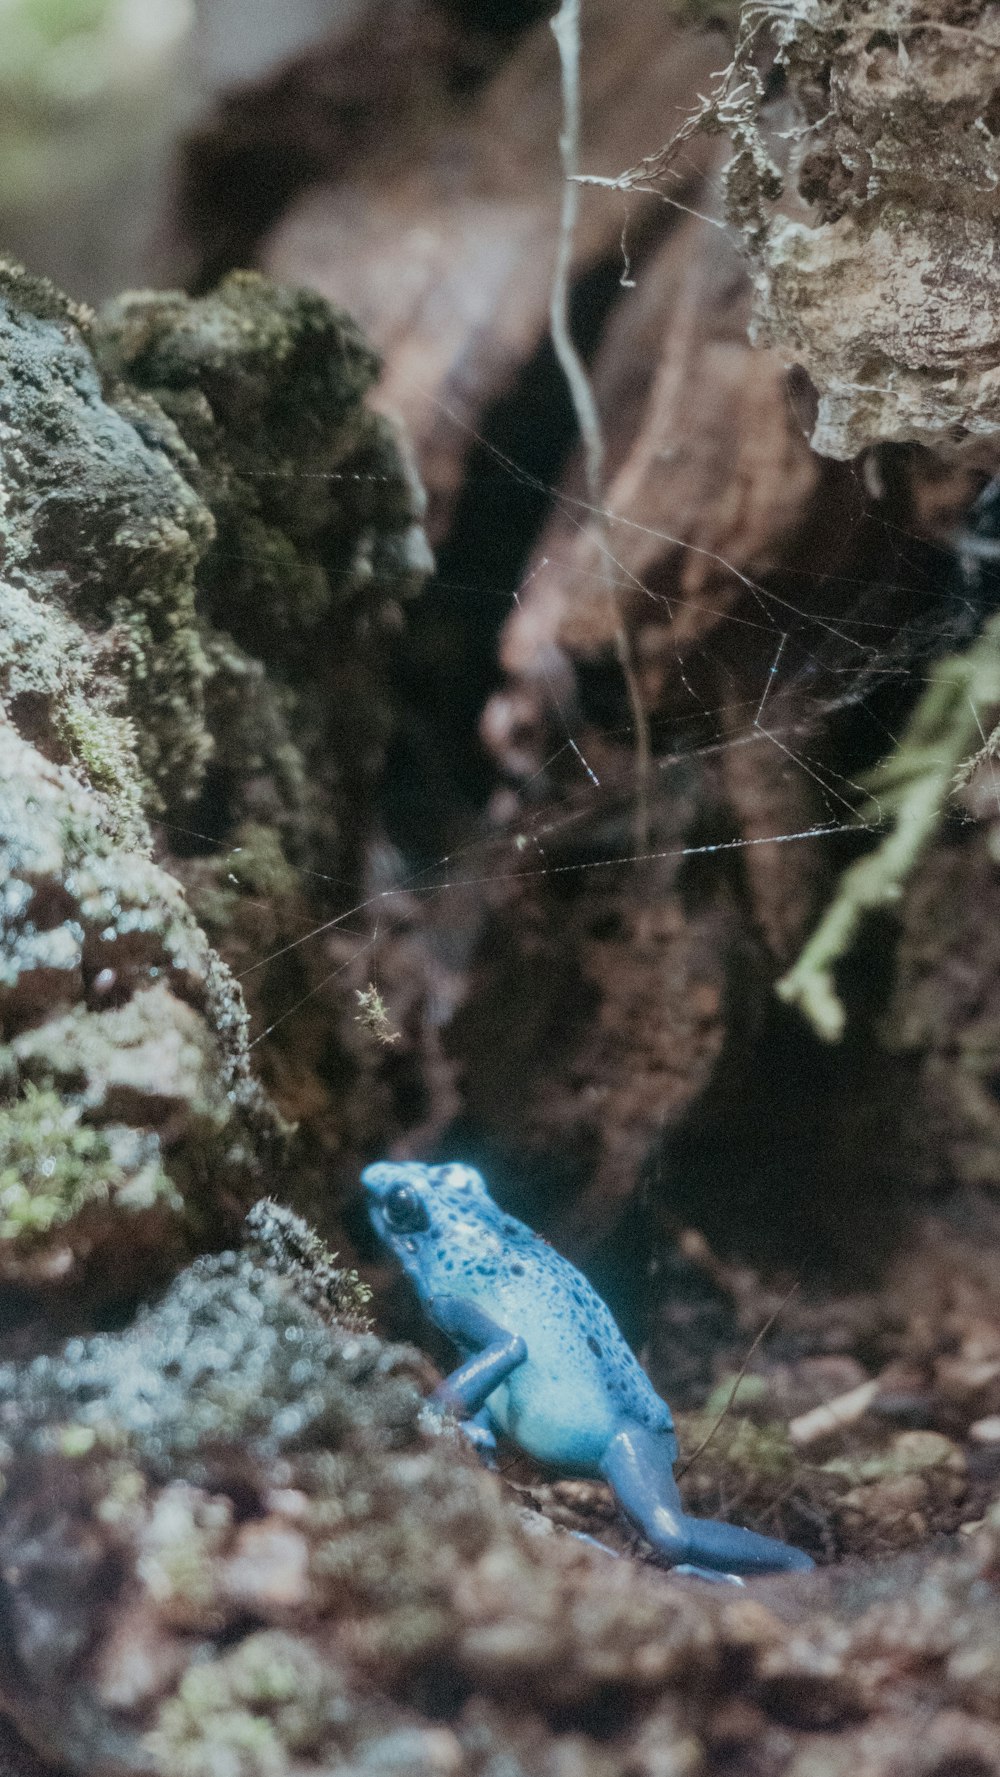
x=449, y=666
x=785, y=1191
x=207, y=820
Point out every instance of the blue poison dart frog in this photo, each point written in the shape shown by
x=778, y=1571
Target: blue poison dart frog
x=544, y=1362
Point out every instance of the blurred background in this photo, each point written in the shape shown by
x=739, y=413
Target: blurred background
x=95, y=99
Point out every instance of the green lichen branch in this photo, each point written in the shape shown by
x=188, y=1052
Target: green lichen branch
x=909, y=792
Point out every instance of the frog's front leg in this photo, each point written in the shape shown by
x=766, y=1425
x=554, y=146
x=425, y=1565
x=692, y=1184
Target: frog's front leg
x=637, y=1464
x=495, y=1354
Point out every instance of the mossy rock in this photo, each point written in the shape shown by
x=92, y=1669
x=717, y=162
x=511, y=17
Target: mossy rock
x=201, y=524
x=130, y=1126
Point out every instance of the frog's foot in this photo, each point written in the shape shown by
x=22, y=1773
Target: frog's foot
x=594, y=1542
x=637, y=1465
x=478, y=1431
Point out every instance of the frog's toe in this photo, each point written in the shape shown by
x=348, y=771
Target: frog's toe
x=478, y=1431
x=480, y=1434
x=708, y=1573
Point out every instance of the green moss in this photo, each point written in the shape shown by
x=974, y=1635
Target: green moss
x=254, y=865
x=33, y=29
x=199, y=1736
x=259, y=391
x=52, y=1166
x=248, y=1713
x=264, y=354
x=263, y=385
x=163, y=666
x=105, y=747
x=77, y=1440
x=733, y=1393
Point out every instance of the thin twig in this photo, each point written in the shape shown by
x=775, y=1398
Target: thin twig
x=727, y=1409
x=566, y=30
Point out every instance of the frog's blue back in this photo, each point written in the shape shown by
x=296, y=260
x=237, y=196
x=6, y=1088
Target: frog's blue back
x=571, y=1327
x=580, y=1380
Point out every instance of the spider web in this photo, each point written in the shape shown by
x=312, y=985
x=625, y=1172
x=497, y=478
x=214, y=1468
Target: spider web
x=853, y=652
x=531, y=841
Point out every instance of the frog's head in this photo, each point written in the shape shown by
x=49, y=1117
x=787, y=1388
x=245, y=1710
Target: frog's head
x=427, y=1215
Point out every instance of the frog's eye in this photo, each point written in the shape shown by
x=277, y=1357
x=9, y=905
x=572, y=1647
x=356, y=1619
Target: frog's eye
x=406, y=1211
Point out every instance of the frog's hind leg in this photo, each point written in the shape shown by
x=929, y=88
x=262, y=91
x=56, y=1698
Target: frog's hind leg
x=637, y=1463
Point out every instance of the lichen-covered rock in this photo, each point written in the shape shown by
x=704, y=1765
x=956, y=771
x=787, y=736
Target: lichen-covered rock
x=100, y=526
x=235, y=1359
x=256, y=394
x=128, y=1116
x=144, y=1435
x=131, y=1129
x=873, y=249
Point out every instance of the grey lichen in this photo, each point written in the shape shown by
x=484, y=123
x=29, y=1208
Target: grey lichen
x=874, y=261
x=236, y=1362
